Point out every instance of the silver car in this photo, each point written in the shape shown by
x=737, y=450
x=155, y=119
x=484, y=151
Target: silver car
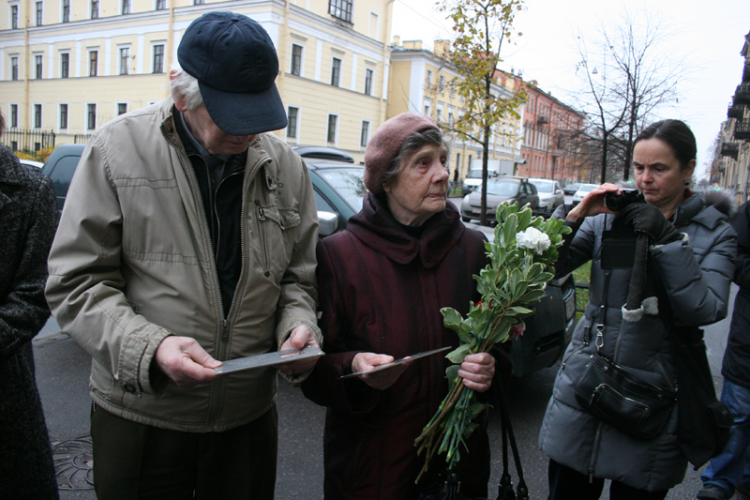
x=550, y=193
x=510, y=189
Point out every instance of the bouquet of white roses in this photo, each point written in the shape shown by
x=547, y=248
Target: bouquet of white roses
x=521, y=258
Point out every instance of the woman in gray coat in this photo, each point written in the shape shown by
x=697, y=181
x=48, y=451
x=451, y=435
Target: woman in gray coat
x=692, y=248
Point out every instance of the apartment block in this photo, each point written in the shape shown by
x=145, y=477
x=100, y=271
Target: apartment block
x=731, y=165
x=69, y=66
x=420, y=83
x=550, y=128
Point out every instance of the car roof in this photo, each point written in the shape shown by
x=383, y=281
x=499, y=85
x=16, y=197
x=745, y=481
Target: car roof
x=324, y=153
x=34, y=163
x=535, y=179
x=318, y=164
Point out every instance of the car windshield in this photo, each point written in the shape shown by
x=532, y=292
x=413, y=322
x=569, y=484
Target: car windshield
x=542, y=187
x=348, y=182
x=475, y=174
x=502, y=188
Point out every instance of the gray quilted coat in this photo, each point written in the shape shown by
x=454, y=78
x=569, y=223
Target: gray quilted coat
x=697, y=273
x=27, y=224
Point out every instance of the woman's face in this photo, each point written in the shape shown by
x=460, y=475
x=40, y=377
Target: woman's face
x=420, y=189
x=658, y=174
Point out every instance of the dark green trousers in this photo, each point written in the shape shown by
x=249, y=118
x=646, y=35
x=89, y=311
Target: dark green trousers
x=137, y=461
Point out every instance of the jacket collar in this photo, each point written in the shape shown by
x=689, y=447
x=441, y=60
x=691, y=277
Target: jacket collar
x=376, y=228
x=11, y=170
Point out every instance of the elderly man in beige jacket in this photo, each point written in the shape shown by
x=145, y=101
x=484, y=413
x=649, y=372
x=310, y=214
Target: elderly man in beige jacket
x=187, y=238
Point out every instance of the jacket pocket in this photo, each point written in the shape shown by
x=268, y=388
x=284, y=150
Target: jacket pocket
x=277, y=243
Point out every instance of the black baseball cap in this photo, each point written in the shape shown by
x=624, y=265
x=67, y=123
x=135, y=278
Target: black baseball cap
x=235, y=63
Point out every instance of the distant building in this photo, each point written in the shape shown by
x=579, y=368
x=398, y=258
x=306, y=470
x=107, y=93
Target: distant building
x=550, y=129
x=68, y=67
x=731, y=165
x=420, y=83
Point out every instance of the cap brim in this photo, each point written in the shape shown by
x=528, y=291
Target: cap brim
x=245, y=114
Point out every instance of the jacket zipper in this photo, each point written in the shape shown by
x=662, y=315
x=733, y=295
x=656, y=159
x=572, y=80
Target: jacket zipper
x=261, y=232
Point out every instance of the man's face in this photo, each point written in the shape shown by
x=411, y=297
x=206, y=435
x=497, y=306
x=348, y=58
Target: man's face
x=211, y=137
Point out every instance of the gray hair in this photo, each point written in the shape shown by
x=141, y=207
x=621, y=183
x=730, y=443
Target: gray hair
x=413, y=143
x=185, y=88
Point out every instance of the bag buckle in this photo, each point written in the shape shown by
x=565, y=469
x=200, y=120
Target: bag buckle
x=599, y=341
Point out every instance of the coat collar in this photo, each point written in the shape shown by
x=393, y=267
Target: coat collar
x=11, y=170
x=376, y=228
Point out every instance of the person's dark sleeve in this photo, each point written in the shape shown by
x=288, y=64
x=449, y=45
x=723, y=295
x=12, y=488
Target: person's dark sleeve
x=323, y=386
x=741, y=226
x=577, y=247
x=24, y=310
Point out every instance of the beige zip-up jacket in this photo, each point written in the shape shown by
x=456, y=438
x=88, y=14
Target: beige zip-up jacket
x=132, y=264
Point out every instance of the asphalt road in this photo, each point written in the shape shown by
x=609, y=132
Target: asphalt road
x=62, y=377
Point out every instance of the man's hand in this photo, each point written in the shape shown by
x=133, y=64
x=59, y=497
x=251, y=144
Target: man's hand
x=477, y=371
x=382, y=380
x=184, y=361
x=301, y=337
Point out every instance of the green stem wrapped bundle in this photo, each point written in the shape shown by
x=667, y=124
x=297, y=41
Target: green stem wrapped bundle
x=521, y=258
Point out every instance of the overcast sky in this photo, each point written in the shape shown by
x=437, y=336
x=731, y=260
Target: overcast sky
x=708, y=36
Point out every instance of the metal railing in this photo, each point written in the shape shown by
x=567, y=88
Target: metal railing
x=28, y=140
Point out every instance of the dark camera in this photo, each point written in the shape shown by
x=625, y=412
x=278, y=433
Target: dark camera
x=616, y=202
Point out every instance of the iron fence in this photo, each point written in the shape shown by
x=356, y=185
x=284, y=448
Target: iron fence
x=28, y=140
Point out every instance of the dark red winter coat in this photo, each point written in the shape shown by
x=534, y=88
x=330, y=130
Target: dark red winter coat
x=381, y=291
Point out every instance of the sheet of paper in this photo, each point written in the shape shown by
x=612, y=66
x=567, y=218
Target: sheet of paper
x=397, y=362
x=269, y=359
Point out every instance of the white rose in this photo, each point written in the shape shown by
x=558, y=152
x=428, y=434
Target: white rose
x=533, y=239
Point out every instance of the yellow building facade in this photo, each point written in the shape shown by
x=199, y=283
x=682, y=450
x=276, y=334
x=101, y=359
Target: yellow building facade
x=69, y=66
x=420, y=83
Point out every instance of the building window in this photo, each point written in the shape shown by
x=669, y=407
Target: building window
x=122, y=108
x=368, y=81
x=442, y=82
x=64, y=65
x=199, y=2
x=91, y=116
x=14, y=17
x=427, y=110
x=94, y=10
x=38, y=66
x=341, y=9
x=429, y=78
x=158, y=59
x=14, y=116
x=66, y=11
x=124, y=60
x=63, y=116
x=332, y=119
x=296, y=59
x=14, y=68
x=126, y=6
x=335, y=71
x=161, y=4
x=37, y=116
x=291, y=128
x=365, y=134
x=93, y=62
x=39, y=13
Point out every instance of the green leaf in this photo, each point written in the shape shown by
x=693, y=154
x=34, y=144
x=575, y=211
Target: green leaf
x=521, y=310
x=532, y=296
x=451, y=318
x=457, y=356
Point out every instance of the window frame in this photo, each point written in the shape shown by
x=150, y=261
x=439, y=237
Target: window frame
x=334, y=131
x=88, y=109
x=64, y=64
x=94, y=7
x=126, y=7
x=13, y=16
x=299, y=59
x=63, y=115
x=39, y=13
x=364, y=133
x=123, y=63
x=38, y=116
x=336, y=71
x=95, y=61
x=293, y=122
x=160, y=5
x=369, y=77
x=14, y=68
x=38, y=66
x=341, y=9
x=154, y=46
x=13, y=115
x=117, y=107
x=65, y=11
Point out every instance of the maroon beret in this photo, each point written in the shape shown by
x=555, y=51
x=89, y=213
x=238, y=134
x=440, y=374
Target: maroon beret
x=386, y=143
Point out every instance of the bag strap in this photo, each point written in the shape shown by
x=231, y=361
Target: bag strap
x=505, y=490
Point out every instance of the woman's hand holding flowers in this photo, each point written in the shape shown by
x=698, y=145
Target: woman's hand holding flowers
x=477, y=371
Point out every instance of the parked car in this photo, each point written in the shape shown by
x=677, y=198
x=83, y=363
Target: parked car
x=60, y=166
x=583, y=190
x=500, y=190
x=324, y=153
x=550, y=194
x=473, y=181
x=570, y=189
x=31, y=165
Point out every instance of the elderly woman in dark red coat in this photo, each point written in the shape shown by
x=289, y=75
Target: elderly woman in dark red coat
x=382, y=283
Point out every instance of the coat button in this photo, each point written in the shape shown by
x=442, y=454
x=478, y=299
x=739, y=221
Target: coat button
x=129, y=388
